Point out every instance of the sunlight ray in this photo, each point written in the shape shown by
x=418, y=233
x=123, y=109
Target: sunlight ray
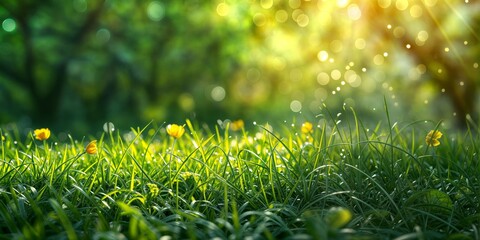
x=445, y=36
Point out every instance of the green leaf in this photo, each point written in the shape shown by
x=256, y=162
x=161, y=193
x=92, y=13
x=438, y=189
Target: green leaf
x=431, y=200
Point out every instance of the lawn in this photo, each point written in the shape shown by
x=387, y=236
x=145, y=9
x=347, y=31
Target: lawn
x=334, y=179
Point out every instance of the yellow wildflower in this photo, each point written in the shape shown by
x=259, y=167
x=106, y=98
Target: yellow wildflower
x=42, y=133
x=338, y=217
x=154, y=190
x=432, y=138
x=175, y=130
x=91, y=147
x=307, y=127
x=237, y=125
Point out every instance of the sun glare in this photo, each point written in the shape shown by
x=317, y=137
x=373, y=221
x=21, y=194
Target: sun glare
x=340, y=47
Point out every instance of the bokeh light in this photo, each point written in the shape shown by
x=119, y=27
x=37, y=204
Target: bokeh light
x=218, y=93
x=263, y=58
x=103, y=35
x=222, y=9
x=296, y=106
x=155, y=10
x=9, y=25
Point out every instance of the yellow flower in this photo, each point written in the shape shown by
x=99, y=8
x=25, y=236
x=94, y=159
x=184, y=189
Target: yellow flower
x=307, y=127
x=338, y=217
x=237, y=125
x=154, y=190
x=91, y=147
x=3, y=138
x=175, y=130
x=432, y=138
x=42, y=133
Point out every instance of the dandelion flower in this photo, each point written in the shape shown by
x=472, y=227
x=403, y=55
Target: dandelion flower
x=237, y=125
x=175, y=130
x=42, y=133
x=432, y=138
x=307, y=127
x=91, y=147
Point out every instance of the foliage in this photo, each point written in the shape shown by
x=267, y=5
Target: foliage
x=79, y=63
x=343, y=179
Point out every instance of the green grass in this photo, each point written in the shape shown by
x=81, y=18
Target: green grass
x=342, y=181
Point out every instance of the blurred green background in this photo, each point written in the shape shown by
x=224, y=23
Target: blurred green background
x=72, y=65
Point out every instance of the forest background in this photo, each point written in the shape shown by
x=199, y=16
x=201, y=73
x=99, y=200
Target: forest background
x=74, y=65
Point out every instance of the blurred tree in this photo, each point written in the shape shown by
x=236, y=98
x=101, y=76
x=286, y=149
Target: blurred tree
x=94, y=60
x=355, y=45
x=38, y=57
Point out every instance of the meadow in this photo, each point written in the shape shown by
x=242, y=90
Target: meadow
x=329, y=177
